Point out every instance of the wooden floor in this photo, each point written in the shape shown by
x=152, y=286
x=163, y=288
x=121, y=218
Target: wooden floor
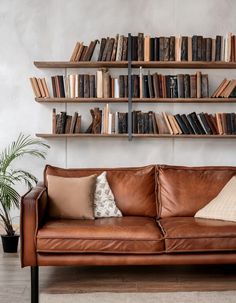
x=15, y=282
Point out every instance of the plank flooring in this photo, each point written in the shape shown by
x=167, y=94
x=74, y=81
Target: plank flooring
x=15, y=282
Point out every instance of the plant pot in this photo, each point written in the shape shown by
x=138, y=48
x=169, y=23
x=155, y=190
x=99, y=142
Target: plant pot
x=10, y=243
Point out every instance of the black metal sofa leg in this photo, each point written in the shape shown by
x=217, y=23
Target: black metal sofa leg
x=34, y=284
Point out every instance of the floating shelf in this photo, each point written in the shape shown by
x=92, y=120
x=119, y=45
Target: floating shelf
x=136, y=64
x=137, y=100
x=134, y=136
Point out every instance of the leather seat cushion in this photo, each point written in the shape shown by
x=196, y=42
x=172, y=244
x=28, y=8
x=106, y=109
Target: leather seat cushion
x=187, y=234
x=136, y=235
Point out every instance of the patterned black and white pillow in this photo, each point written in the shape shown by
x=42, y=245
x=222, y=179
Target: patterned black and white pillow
x=104, y=202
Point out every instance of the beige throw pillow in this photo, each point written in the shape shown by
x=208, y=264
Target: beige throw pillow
x=223, y=206
x=71, y=198
x=104, y=202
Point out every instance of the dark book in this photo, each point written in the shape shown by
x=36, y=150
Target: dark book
x=61, y=86
x=186, y=86
x=204, y=121
x=68, y=124
x=204, y=86
x=150, y=122
x=204, y=49
x=150, y=85
x=224, y=123
x=156, y=49
x=135, y=121
x=166, y=49
x=152, y=41
x=145, y=87
x=126, y=86
x=193, y=86
x=121, y=86
x=168, y=86
x=233, y=93
x=82, y=57
x=125, y=49
x=218, y=48
x=156, y=86
x=154, y=124
x=61, y=123
x=81, y=86
x=134, y=48
x=199, y=48
x=184, y=48
x=110, y=49
x=197, y=122
x=92, y=86
x=102, y=47
x=54, y=87
x=104, y=54
x=114, y=51
x=172, y=48
x=233, y=123
x=208, y=49
x=135, y=86
x=161, y=48
x=228, y=124
x=73, y=123
x=193, y=125
x=182, y=124
x=211, y=125
x=90, y=50
x=140, y=123
x=160, y=85
x=194, y=48
x=145, y=117
x=78, y=125
x=173, y=87
x=180, y=85
x=140, y=47
x=188, y=125
x=86, y=86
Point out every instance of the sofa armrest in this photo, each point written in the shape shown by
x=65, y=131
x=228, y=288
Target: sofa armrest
x=33, y=208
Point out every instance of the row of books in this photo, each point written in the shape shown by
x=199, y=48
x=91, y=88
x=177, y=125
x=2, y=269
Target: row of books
x=106, y=122
x=102, y=85
x=39, y=87
x=143, y=86
x=147, y=48
x=65, y=124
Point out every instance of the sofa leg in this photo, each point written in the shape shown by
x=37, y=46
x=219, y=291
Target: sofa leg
x=34, y=284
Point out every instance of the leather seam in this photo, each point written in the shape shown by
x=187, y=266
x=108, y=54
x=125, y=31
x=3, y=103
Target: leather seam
x=99, y=251
x=100, y=239
x=196, y=238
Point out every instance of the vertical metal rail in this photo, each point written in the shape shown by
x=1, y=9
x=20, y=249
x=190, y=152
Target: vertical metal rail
x=130, y=88
x=34, y=284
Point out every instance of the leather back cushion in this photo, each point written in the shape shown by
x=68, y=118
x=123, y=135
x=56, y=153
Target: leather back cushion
x=133, y=188
x=182, y=191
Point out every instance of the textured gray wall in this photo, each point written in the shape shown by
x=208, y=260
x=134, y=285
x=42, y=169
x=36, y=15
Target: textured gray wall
x=47, y=30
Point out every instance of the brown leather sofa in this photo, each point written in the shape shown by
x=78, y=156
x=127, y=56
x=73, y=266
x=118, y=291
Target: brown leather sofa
x=158, y=203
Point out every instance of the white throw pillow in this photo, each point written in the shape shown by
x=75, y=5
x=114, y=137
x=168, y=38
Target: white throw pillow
x=104, y=203
x=223, y=206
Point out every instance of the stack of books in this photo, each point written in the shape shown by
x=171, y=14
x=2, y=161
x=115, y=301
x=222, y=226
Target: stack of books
x=62, y=123
x=39, y=87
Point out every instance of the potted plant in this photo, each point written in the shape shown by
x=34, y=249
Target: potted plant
x=10, y=177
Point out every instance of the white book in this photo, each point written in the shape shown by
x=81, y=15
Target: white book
x=67, y=91
x=109, y=130
x=76, y=86
x=116, y=88
x=118, y=52
x=99, y=84
x=222, y=57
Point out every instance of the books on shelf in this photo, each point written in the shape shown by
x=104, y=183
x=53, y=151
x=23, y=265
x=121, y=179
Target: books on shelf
x=147, y=48
x=103, y=85
x=65, y=124
x=104, y=121
x=226, y=89
x=39, y=87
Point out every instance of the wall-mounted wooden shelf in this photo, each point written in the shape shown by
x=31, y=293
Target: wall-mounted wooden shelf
x=135, y=136
x=136, y=64
x=81, y=64
x=137, y=100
